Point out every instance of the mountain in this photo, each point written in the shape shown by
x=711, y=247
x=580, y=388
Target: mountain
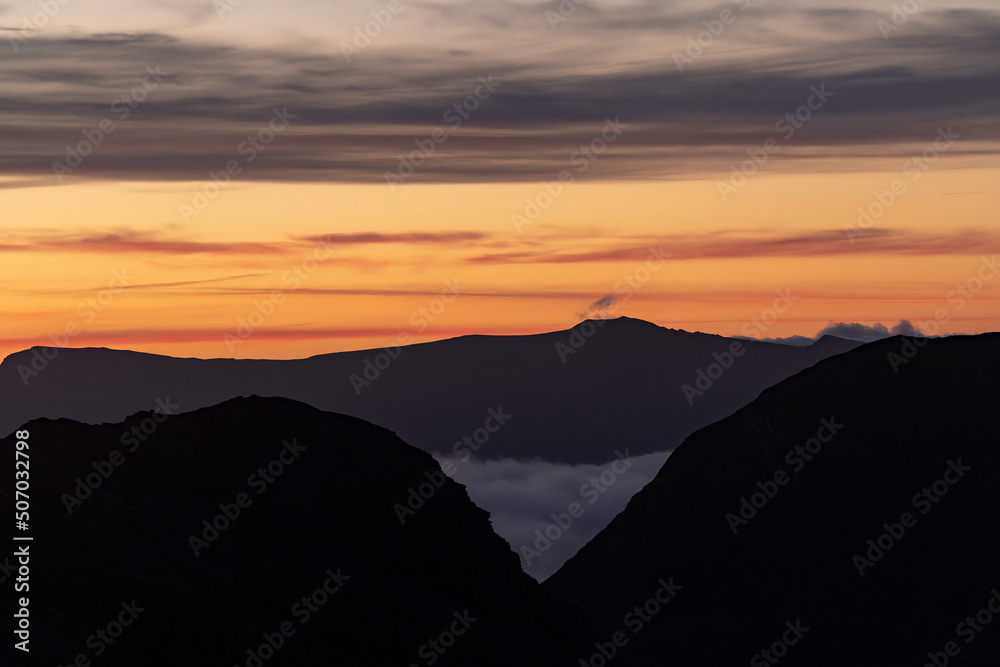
x=263, y=523
x=850, y=515
x=572, y=396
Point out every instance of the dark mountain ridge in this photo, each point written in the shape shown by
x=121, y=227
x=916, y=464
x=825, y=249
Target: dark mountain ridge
x=859, y=497
x=226, y=523
x=596, y=386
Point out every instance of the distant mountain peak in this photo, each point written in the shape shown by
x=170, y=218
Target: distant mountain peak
x=623, y=323
x=621, y=320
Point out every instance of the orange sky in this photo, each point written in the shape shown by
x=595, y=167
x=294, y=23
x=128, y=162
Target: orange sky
x=498, y=100
x=190, y=284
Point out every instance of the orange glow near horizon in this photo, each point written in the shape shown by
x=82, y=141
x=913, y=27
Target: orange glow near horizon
x=190, y=284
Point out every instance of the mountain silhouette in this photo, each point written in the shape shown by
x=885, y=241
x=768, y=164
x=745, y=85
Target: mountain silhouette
x=574, y=396
x=228, y=526
x=850, y=515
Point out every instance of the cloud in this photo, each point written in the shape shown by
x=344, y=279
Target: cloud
x=602, y=309
x=729, y=245
x=141, y=286
x=737, y=245
x=522, y=496
x=906, y=328
x=130, y=241
x=374, y=291
x=854, y=331
x=126, y=240
x=849, y=330
x=412, y=238
x=889, y=96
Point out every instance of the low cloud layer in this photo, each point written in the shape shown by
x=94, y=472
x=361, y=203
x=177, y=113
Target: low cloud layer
x=862, y=332
x=521, y=498
x=849, y=330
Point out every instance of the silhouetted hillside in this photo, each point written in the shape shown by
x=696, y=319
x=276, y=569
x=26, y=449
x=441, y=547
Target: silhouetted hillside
x=574, y=396
x=907, y=459
x=321, y=495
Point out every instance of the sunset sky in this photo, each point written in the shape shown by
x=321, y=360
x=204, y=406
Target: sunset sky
x=116, y=114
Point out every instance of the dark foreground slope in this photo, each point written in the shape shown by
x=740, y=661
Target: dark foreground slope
x=911, y=462
x=573, y=396
x=319, y=516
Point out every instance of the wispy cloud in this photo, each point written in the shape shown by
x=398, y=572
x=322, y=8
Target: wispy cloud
x=411, y=238
x=150, y=286
x=131, y=242
x=606, y=248
x=745, y=245
x=889, y=94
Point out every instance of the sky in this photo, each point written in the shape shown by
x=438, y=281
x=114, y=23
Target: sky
x=277, y=180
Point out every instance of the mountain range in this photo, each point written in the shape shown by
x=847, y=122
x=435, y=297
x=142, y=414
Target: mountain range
x=847, y=515
x=573, y=396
